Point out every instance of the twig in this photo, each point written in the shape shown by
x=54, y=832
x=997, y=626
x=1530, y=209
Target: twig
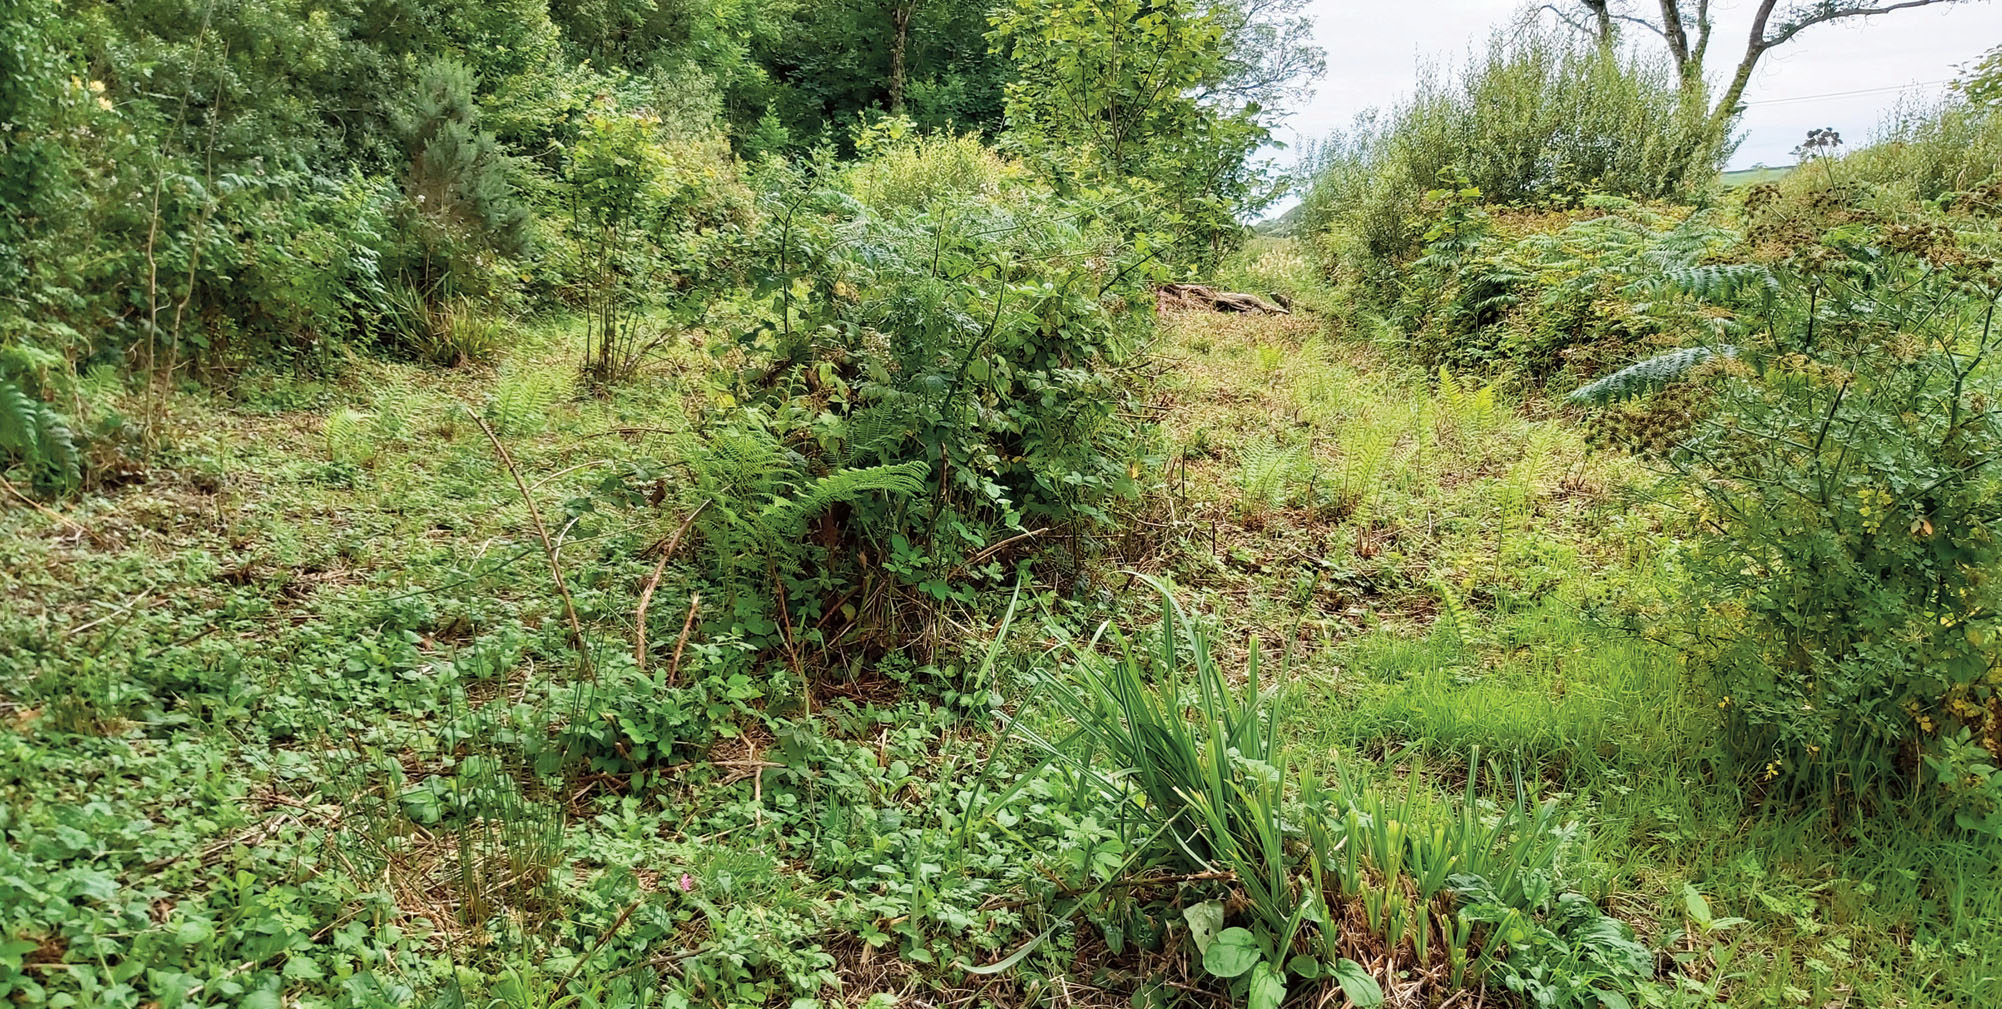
x=50, y=512
x=674, y=666
x=233, y=971
x=998, y=547
x=617, y=923
x=573, y=469
x=541, y=533
x=118, y=611
x=608, y=432
x=646, y=594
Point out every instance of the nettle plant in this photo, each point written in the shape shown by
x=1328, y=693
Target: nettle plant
x=932, y=391
x=1848, y=479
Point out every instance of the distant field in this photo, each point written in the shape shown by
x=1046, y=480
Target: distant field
x=1747, y=176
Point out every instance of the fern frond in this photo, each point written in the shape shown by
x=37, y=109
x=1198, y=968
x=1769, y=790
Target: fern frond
x=34, y=435
x=521, y=401
x=787, y=516
x=1647, y=376
x=1267, y=471
x=351, y=437
x=1453, y=617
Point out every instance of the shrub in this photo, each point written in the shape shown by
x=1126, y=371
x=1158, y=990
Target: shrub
x=1539, y=118
x=930, y=388
x=1845, y=600
x=653, y=207
x=1928, y=151
x=904, y=170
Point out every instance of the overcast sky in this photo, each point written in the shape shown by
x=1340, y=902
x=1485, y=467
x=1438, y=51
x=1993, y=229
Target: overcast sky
x=1845, y=75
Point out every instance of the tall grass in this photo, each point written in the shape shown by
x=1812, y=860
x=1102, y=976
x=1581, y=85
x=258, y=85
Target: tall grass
x=1931, y=149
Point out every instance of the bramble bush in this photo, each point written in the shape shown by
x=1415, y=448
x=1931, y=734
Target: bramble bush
x=1539, y=293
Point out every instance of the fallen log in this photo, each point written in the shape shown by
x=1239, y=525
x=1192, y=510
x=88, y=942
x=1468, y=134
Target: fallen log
x=1207, y=297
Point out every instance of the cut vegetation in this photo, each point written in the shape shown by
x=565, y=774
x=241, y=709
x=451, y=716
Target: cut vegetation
x=554, y=508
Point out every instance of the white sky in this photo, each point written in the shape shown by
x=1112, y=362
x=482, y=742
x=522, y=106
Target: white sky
x=1374, y=49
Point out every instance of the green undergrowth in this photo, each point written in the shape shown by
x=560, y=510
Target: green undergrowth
x=326, y=739
x=1478, y=598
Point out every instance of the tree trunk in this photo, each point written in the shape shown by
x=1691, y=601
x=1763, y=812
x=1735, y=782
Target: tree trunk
x=1727, y=103
x=900, y=20
x=1756, y=45
x=1676, y=34
x=1602, y=19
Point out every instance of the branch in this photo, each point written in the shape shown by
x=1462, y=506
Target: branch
x=1573, y=23
x=1643, y=22
x=1827, y=10
x=542, y=533
x=646, y=595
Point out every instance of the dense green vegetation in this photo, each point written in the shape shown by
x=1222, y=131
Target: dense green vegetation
x=639, y=504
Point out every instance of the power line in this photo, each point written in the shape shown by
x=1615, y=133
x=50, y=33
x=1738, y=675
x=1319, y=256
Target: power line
x=1848, y=94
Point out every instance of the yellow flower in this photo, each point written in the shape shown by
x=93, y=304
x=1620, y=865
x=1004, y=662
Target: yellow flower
x=96, y=87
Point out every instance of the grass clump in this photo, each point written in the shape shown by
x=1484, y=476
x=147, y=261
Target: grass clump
x=1342, y=887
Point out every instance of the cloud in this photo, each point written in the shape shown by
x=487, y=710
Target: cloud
x=1846, y=75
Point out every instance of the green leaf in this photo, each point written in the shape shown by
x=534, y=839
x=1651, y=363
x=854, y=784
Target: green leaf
x=12, y=951
x=1268, y=987
x=194, y=931
x=1013, y=958
x=1357, y=985
x=1612, y=999
x=1305, y=966
x=1233, y=953
x=1699, y=909
x=1205, y=921
x=93, y=883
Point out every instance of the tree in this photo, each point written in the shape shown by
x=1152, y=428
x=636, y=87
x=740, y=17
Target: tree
x=829, y=62
x=1982, y=82
x=461, y=198
x=1269, y=54
x=1169, y=92
x=1684, y=26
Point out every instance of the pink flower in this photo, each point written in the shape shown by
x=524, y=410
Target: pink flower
x=687, y=883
